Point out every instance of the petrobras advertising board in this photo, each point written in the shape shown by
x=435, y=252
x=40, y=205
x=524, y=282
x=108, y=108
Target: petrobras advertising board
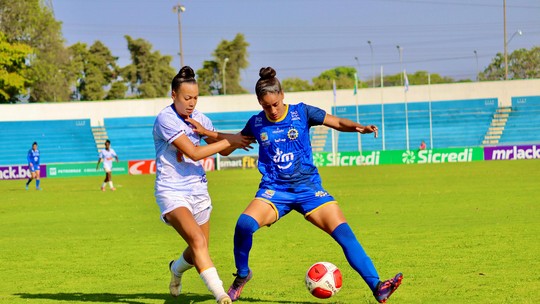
x=20, y=172
x=512, y=152
x=84, y=169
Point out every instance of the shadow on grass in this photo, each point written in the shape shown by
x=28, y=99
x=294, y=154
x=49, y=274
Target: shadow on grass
x=136, y=298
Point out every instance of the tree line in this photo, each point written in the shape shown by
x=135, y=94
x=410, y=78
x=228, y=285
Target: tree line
x=35, y=65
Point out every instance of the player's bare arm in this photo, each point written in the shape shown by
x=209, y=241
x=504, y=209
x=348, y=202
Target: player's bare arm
x=347, y=125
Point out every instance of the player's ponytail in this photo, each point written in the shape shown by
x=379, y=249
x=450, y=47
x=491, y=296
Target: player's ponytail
x=186, y=74
x=267, y=83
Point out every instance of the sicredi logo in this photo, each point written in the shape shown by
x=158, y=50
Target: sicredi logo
x=431, y=157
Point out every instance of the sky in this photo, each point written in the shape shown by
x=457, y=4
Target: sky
x=303, y=38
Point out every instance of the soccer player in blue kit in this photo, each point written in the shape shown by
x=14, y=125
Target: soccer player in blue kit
x=33, y=159
x=290, y=181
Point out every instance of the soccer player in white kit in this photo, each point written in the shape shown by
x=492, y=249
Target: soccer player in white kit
x=181, y=186
x=107, y=155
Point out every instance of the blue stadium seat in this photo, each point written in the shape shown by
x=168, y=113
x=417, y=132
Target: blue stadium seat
x=59, y=141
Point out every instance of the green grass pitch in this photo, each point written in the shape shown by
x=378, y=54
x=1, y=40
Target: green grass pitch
x=460, y=233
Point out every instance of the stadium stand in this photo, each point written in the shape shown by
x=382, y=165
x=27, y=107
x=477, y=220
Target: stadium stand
x=131, y=137
x=457, y=123
x=523, y=125
x=58, y=141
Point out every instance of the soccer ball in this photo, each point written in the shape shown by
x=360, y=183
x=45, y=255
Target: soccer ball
x=323, y=280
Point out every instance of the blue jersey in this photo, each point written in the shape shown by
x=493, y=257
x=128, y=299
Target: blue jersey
x=33, y=157
x=285, y=156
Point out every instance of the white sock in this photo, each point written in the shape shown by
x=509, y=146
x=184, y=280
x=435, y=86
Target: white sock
x=213, y=283
x=103, y=185
x=180, y=266
x=110, y=184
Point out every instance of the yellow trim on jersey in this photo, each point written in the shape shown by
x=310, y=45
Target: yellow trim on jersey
x=271, y=205
x=282, y=117
x=330, y=202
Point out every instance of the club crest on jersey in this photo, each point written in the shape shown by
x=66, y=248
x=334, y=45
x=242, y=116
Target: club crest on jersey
x=264, y=136
x=292, y=134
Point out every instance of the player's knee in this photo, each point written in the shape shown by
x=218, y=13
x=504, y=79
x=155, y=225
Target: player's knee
x=198, y=242
x=246, y=225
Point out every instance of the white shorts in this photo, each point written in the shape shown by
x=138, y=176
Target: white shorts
x=200, y=205
x=107, y=167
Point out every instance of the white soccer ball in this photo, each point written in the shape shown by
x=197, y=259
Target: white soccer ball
x=323, y=280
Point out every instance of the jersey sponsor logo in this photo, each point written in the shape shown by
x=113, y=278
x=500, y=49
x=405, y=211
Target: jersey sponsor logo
x=295, y=116
x=258, y=121
x=277, y=140
x=277, y=131
x=292, y=134
x=264, y=136
x=321, y=194
x=268, y=193
x=281, y=157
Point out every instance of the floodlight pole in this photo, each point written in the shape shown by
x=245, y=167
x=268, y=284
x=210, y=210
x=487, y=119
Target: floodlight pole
x=179, y=9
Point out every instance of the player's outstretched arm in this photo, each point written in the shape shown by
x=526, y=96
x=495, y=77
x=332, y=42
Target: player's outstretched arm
x=237, y=140
x=347, y=125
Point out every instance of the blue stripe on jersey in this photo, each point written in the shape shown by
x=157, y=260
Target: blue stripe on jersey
x=285, y=156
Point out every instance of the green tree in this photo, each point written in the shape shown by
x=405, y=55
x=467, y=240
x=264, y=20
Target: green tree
x=49, y=71
x=344, y=77
x=149, y=74
x=96, y=69
x=522, y=64
x=236, y=52
x=295, y=84
x=13, y=69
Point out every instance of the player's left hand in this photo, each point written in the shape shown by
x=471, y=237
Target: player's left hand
x=196, y=126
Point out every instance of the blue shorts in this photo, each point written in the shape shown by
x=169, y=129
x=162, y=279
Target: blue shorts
x=304, y=200
x=33, y=168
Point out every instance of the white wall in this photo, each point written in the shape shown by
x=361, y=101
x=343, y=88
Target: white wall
x=97, y=110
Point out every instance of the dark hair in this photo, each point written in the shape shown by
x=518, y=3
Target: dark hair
x=186, y=74
x=34, y=143
x=268, y=83
x=108, y=141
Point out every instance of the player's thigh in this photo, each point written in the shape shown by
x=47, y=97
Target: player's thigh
x=262, y=212
x=327, y=218
x=184, y=223
x=36, y=174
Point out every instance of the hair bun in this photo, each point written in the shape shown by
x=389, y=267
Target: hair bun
x=186, y=73
x=267, y=73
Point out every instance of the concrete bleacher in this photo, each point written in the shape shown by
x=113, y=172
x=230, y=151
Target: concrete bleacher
x=523, y=125
x=59, y=141
x=458, y=123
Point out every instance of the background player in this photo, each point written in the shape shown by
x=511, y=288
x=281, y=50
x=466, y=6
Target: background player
x=290, y=181
x=33, y=159
x=107, y=155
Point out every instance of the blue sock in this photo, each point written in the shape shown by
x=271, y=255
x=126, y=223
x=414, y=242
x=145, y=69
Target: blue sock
x=356, y=255
x=37, y=183
x=243, y=240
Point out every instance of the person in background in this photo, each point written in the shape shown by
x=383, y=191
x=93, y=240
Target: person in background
x=290, y=181
x=33, y=159
x=107, y=155
x=422, y=145
x=181, y=187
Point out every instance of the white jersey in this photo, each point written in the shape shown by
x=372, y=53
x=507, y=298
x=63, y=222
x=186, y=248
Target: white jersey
x=107, y=157
x=174, y=171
